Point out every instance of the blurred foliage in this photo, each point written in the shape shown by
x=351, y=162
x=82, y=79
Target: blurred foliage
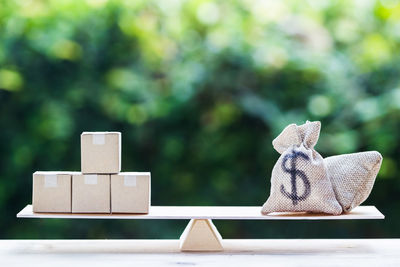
x=199, y=90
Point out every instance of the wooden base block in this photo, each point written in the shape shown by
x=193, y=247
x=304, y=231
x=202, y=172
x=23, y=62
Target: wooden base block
x=201, y=235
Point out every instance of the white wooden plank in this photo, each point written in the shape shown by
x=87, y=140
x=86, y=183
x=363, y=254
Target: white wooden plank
x=243, y=252
x=212, y=212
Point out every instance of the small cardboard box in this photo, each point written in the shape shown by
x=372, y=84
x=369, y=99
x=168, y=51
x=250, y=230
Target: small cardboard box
x=51, y=192
x=100, y=152
x=91, y=193
x=130, y=192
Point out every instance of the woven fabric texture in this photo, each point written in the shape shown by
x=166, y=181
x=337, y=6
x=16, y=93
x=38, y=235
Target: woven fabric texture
x=299, y=180
x=353, y=176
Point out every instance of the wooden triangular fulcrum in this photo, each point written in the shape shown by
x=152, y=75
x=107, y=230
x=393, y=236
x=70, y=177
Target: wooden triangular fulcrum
x=201, y=235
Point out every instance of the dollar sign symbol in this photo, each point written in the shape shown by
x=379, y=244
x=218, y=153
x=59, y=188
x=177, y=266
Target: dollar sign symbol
x=294, y=173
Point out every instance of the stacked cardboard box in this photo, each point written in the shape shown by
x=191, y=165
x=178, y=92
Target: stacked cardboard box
x=99, y=188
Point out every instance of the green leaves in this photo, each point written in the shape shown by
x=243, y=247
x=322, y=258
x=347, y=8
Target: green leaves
x=198, y=88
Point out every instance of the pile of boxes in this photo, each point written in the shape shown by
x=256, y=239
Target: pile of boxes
x=100, y=187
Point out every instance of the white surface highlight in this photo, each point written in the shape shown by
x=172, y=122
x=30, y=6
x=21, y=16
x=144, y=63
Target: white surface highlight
x=130, y=180
x=50, y=180
x=90, y=179
x=98, y=139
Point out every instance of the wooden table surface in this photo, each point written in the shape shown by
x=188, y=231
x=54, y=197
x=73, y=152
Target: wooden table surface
x=243, y=252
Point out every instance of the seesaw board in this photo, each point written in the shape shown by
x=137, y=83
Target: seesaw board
x=211, y=212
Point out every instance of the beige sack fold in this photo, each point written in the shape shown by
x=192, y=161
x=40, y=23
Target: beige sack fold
x=353, y=176
x=299, y=180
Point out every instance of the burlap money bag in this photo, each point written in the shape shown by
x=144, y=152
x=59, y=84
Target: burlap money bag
x=353, y=176
x=299, y=180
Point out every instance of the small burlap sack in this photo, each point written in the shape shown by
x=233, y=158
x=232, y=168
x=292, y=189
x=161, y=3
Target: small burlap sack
x=299, y=180
x=353, y=176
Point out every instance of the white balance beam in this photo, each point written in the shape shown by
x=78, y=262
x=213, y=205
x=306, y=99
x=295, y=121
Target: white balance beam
x=212, y=212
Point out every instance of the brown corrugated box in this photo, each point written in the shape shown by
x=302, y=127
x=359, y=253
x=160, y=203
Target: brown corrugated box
x=51, y=191
x=91, y=193
x=100, y=152
x=130, y=192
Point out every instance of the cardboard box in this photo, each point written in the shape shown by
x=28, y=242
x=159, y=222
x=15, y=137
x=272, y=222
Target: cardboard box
x=51, y=192
x=130, y=192
x=91, y=193
x=100, y=152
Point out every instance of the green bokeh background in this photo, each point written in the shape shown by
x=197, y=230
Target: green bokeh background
x=199, y=89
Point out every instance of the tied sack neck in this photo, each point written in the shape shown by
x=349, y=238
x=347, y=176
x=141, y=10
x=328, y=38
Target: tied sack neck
x=293, y=135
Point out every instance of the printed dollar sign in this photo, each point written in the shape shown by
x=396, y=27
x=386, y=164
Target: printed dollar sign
x=294, y=173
